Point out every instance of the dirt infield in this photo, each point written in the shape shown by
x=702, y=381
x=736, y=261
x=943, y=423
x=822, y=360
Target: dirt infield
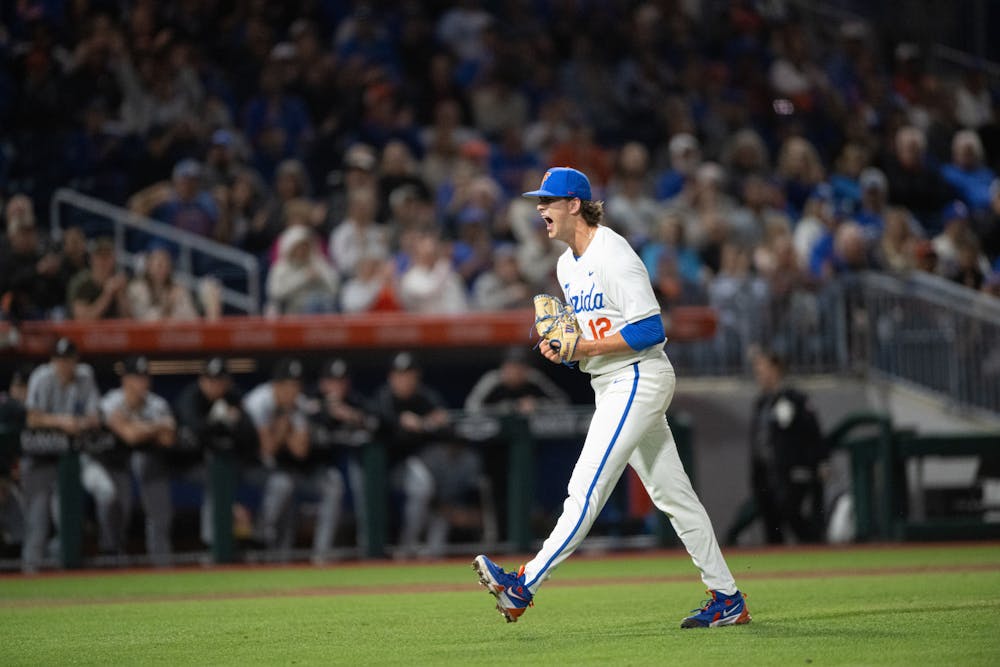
x=396, y=589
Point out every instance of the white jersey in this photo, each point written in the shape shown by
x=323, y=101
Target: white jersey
x=608, y=287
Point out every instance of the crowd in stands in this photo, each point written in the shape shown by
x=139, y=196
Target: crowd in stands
x=371, y=154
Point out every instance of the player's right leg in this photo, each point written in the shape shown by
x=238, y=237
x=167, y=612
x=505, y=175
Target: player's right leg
x=659, y=467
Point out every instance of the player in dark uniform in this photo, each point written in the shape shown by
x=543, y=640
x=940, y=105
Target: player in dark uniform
x=788, y=459
x=514, y=387
x=341, y=424
x=211, y=421
x=411, y=416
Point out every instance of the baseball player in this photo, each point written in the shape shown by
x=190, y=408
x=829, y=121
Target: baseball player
x=144, y=426
x=62, y=398
x=621, y=346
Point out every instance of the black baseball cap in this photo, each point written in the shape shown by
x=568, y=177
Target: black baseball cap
x=215, y=368
x=404, y=361
x=288, y=369
x=335, y=369
x=516, y=354
x=64, y=348
x=136, y=365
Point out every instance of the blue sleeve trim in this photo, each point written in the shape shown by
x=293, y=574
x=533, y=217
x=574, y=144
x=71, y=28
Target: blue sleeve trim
x=644, y=333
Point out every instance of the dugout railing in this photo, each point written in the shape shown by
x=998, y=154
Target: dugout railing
x=890, y=498
x=512, y=439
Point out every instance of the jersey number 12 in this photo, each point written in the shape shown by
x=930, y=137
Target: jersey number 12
x=600, y=327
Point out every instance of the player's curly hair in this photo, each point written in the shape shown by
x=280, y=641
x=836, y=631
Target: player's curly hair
x=592, y=212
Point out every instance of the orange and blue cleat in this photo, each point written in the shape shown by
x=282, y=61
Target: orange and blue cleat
x=719, y=610
x=512, y=595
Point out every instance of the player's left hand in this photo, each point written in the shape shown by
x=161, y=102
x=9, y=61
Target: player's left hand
x=548, y=352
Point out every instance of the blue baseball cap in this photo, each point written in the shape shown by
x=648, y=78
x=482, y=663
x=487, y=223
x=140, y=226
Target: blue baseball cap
x=562, y=182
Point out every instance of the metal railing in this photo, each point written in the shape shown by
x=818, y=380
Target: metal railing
x=920, y=329
x=929, y=332
x=197, y=256
x=808, y=328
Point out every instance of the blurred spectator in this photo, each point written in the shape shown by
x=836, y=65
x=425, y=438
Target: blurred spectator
x=973, y=101
x=431, y=285
x=99, y=154
x=291, y=183
x=240, y=204
x=99, y=292
x=581, y=151
x=472, y=251
x=358, y=234
x=991, y=284
x=62, y=402
x=411, y=416
x=502, y=286
x=967, y=174
x=211, y=422
x=277, y=122
x=674, y=268
x=398, y=169
x=684, y=154
x=187, y=205
x=442, y=142
x=278, y=410
x=509, y=160
x=988, y=224
x=924, y=257
x=155, y=295
x=372, y=288
x=75, y=257
x=896, y=245
x=800, y=171
x=739, y=297
x=30, y=279
x=955, y=221
x=818, y=220
x=745, y=154
x=761, y=208
x=630, y=209
x=222, y=160
x=846, y=177
x=144, y=426
x=845, y=250
x=788, y=456
x=913, y=183
x=515, y=387
x=498, y=105
x=341, y=425
x=793, y=74
x=301, y=281
x=359, y=172
x=12, y=419
x=874, y=202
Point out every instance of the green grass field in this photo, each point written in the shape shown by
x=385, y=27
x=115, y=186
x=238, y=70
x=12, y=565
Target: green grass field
x=861, y=606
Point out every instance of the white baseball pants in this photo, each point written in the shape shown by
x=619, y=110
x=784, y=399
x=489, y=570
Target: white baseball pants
x=629, y=427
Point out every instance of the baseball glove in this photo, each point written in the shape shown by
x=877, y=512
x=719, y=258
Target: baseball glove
x=556, y=323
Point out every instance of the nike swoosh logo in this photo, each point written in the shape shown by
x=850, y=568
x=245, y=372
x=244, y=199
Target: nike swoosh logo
x=729, y=612
x=512, y=594
x=590, y=273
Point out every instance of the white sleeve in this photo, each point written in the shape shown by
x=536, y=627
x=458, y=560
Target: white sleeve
x=626, y=283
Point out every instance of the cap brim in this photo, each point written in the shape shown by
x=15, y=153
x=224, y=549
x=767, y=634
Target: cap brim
x=546, y=193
